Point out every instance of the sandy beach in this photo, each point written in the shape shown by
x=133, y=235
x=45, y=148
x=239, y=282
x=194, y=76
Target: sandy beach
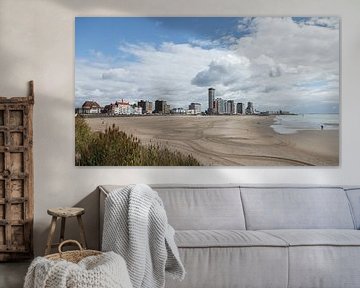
x=230, y=140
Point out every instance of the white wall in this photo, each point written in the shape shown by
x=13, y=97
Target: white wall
x=37, y=42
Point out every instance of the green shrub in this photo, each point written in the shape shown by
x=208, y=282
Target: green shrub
x=116, y=148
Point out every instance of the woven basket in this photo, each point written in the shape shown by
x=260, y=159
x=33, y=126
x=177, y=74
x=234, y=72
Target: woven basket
x=72, y=256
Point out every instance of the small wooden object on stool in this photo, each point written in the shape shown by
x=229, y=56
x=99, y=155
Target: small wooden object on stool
x=64, y=213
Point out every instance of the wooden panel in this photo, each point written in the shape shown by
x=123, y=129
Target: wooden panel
x=2, y=162
x=16, y=162
x=17, y=188
x=17, y=234
x=17, y=211
x=2, y=139
x=16, y=139
x=2, y=188
x=2, y=235
x=16, y=177
x=2, y=211
x=16, y=118
x=2, y=118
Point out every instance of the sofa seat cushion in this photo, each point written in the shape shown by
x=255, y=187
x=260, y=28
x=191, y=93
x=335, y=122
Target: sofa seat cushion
x=225, y=267
x=317, y=237
x=324, y=258
x=225, y=238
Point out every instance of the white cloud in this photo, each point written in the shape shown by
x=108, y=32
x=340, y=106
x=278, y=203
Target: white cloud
x=163, y=73
x=116, y=74
x=277, y=64
x=224, y=70
x=330, y=22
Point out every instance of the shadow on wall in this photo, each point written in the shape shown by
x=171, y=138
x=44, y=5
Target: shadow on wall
x=51, y=160
x=91, y=219
x=135, y=7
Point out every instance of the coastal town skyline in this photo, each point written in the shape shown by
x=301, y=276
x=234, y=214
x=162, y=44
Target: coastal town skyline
x=216, y=106
x=175, y=59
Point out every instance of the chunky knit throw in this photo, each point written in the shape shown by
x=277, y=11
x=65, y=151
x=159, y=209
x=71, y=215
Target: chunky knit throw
x=136, y=227
x=102, y=271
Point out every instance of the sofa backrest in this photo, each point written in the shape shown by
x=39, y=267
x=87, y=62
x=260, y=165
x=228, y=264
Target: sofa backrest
x=354, y=198
x=234, y=207
x=203, y=207
x=296, y=208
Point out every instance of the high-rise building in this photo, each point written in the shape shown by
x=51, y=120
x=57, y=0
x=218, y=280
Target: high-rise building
x=223, y=106
x=249, y=108
x=161, y=107
x=220, y=106
x=196, y=107
x=230, y=107
x=146, y=106
x=240, y=108
x=211, y=95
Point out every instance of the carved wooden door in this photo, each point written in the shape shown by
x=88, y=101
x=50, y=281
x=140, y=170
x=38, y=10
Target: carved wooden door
x=16, y=177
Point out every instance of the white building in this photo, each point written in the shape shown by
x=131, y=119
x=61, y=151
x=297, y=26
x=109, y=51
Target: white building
x=123, y=108
x=196, y=107
x=178, y=111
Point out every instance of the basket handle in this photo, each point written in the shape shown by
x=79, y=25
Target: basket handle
x=69, y=241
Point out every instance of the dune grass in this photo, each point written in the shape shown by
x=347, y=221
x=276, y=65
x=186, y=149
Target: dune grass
x=115, y=148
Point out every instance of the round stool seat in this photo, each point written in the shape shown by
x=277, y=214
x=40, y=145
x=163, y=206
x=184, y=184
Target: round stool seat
x=66, y=211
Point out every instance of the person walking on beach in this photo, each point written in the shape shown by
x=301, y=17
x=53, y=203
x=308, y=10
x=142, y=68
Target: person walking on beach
x=322, y=127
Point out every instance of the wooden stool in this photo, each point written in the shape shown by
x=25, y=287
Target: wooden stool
x=64, y=213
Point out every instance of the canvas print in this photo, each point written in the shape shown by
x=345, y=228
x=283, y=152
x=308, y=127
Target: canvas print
x=206, y=91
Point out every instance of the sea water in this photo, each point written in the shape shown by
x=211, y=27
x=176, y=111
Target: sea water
x=290, y=124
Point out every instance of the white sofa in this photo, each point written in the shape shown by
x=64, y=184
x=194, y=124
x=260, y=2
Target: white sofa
x=263, y=236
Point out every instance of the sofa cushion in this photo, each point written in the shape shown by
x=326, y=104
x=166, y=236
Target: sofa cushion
x=322, y=258
x=317, y=237
x=191, y=207
x=218, y=267
x=296, y=208
x=226, y=238
x=204, y=208
x=324, y=266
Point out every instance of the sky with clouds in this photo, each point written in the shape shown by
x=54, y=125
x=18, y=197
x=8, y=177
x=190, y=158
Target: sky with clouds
x=287, y=63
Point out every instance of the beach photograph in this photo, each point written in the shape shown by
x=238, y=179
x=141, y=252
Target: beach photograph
x=207, y=91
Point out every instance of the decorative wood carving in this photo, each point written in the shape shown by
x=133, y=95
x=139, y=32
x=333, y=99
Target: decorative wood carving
x=16, y=177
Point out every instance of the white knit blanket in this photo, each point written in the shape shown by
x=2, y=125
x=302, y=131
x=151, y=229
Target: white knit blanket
x=104, y=271
x=136, y=227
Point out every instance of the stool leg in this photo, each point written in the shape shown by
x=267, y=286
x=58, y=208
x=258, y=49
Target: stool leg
x=62, y=231
x=51, y=235
x=82, y=232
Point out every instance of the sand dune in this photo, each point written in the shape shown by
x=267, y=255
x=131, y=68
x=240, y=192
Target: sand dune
x=231, y=140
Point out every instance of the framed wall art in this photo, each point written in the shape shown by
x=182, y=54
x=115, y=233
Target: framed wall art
x=205, y=91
